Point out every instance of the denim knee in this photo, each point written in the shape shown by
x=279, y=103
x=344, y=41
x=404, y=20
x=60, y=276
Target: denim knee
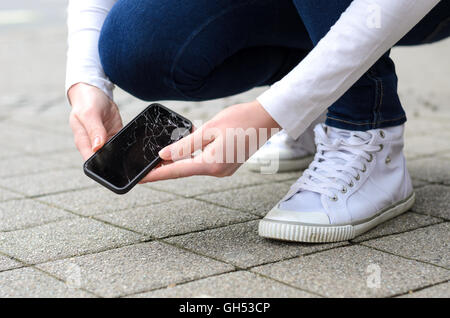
x=134, y=53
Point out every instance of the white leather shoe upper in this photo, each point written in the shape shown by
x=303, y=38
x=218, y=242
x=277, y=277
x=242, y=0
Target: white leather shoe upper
x=354, y=176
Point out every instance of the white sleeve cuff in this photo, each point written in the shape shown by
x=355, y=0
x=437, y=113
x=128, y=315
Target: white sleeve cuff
x=99, y=82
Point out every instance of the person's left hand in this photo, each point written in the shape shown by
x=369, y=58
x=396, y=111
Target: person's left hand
x=226, y=141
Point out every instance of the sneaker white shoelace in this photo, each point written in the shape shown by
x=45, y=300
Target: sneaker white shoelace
x=339, y=160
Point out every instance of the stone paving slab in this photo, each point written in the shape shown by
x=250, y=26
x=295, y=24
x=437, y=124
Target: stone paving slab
x=63, y=239
x=419, y=146
x=241, y=245
x=33, y=141
x=9, y=195
x=8, y=152
x=435, y=170
x=51, y=120
x=430, y=244
x=433, y=200
x=437, y=291
x=353, y=272
x=175, y=217
x=137, y=268
x=258, y=199
x=19, y=214
x=25, y=165
x=48, y=182
x=405, y=222
x=423, y=126
x=53, y=117
x=99, y=200
x=8, y=263
x=69, y=158
x=417, y=183
x=32, y=283
x=241, y=284
x=197, y=185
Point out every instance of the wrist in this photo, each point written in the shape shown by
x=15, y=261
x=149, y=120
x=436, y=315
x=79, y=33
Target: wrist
x=265, y=120
x=86, y=95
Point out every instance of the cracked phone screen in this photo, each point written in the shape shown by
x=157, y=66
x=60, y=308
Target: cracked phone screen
x=136, y=147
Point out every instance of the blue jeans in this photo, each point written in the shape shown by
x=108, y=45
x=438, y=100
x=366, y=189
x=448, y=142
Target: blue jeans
x=206, y=49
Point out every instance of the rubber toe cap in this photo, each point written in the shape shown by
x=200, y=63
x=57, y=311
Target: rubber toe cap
x=319, y=218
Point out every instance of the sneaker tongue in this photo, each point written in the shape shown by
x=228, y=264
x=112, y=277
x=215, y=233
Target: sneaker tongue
x=335, y=133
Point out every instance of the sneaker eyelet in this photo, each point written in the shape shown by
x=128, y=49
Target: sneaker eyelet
x=358, y=177
x=370, y=158
x=344, y=190
x=382, y=135
x=388, y=159
x=334, y=198
x=351, y=184
x=381, y=147
x=364, y=169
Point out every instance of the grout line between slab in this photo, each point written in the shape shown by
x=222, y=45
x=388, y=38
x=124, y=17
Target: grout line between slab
x=402, y=232
x=420, y=288
x=404, y=257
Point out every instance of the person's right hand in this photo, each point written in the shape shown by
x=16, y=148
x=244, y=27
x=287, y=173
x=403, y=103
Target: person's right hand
x=94, y=118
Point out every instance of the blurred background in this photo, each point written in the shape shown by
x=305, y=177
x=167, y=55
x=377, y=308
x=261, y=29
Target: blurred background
x=32, y=38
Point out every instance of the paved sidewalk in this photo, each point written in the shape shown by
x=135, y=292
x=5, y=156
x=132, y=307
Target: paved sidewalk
x=62, y=235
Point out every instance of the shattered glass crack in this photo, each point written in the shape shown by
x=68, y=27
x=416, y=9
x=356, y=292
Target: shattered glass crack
x=137, y=146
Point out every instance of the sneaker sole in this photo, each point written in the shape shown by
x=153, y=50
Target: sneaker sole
x=284, y=165
x=290, y=231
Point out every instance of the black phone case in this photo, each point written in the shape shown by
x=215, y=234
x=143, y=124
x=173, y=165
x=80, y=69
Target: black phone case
x=143, y=173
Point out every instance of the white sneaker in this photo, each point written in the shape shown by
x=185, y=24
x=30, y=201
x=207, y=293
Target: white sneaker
x=281, y=153
x=357, y=180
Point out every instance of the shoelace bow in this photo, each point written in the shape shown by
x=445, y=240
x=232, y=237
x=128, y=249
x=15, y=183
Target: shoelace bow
x=337, y=162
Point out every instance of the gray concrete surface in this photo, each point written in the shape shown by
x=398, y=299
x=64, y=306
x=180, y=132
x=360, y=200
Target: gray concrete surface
x=62, y=235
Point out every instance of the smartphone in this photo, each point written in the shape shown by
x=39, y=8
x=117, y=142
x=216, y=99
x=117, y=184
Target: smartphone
x=125, y=159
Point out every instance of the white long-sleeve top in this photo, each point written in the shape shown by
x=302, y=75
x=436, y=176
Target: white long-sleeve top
x=363, y=33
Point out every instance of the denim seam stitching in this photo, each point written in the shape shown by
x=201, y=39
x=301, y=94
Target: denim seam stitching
x=365, y=123
x=192, y=36
x=381, y=101
x=378, y=97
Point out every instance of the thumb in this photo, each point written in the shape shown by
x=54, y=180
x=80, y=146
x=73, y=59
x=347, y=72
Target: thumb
x=96, y=131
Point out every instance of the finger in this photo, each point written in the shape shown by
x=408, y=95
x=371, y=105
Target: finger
x=93, y=124
x=162, y=163
x=185, y=147
x=81, y=137
x=178, y=169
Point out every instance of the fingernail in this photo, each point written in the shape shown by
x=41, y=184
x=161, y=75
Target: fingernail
x=97, y=142
x=163, y=153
